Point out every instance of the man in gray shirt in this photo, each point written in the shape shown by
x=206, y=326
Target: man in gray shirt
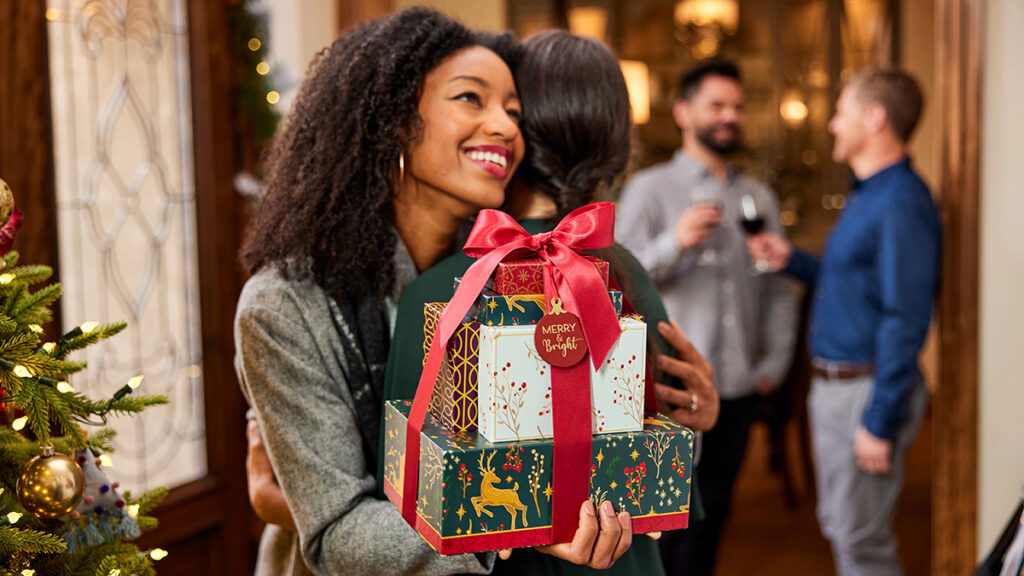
x=685, y=220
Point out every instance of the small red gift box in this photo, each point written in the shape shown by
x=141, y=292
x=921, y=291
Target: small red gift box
x=526, y=275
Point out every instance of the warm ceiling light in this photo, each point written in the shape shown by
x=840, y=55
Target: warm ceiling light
x=704, y=13
x=704, y=24
x=793, y=109
x=638, y=83
x=589, y=21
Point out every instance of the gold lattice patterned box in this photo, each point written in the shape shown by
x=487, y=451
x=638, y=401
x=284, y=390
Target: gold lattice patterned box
x=454, y=401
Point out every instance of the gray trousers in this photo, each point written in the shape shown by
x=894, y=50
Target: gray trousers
x=855, y=509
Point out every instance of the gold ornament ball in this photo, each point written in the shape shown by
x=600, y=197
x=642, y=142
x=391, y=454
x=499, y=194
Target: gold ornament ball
x=51, y=484
x=6, y=202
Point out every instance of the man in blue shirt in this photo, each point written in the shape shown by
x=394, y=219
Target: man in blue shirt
x=874, y=285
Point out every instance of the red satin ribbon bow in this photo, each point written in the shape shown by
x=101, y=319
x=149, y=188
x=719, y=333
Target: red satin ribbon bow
x=494, y=238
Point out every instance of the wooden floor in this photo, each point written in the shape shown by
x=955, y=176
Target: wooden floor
x=764, y=538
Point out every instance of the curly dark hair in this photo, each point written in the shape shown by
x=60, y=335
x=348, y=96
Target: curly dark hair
x=333, y=169
x=576, y=117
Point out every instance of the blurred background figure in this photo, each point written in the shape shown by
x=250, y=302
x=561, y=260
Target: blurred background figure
x=875, y=285
x=686, y=221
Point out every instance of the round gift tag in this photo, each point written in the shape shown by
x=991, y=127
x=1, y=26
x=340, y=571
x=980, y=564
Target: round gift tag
x=559, y=337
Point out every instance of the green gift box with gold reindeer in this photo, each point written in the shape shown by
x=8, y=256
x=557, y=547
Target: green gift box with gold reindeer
x=476, y=496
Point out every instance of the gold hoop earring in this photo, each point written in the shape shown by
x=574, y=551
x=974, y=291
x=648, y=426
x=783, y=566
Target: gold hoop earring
x=401, y=167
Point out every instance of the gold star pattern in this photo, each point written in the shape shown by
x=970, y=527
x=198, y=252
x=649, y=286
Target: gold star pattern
x=634, y=455
x=613, y=485
x=600, y=457
x=492, y=304
x=548, y=491
x=508, y=479
x=458, y=530
x=461, y=511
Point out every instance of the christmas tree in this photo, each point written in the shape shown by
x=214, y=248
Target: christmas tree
x=59, y=512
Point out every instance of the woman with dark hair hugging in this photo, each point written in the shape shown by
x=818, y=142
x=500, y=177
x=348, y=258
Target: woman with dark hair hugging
x=403, y=129
x=576, y=123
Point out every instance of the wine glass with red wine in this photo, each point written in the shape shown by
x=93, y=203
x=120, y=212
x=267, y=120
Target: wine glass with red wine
x=752, y=222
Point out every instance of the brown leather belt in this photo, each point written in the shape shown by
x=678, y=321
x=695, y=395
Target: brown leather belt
x=840, y=370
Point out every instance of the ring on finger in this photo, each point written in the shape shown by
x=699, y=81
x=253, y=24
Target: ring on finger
x=693, y=402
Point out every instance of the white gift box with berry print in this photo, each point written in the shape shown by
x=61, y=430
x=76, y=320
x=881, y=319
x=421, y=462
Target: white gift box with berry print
x=514, y=384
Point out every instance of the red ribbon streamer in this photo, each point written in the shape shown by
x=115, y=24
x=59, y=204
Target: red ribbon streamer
x=495, y=237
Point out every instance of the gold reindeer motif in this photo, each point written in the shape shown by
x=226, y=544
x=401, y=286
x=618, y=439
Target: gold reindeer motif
x=491, y=496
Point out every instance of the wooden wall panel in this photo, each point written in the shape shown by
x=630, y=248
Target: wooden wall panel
x=26, y=143
x=355, y=11
x=955, y=412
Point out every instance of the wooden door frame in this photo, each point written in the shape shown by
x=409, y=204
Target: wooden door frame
x=351, y=12
x=211, y=516
x=959, y=28
x=26, y=133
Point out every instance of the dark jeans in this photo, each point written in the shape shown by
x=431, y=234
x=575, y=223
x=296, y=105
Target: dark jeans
x=692, y=552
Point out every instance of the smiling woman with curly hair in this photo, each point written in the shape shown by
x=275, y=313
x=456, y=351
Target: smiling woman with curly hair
x=403, y=128
x=334, y=170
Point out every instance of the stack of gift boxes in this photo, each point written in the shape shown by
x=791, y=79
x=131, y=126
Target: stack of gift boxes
x=485, y=461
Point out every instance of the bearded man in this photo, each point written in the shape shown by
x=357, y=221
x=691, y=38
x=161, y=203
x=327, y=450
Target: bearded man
x=685, y=221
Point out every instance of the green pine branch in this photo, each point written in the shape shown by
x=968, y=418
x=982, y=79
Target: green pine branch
x=10, y=383
x=38, y=411
x=100, y=439
x=31, y=273
x=18, y=346
x=148, y=501
x=76, y=339
x=14, y=539
x=134, y=404
x=128, y=560
x=7, y=324
x=12, y=293
x=35, y=308
x=97, y=560
x=15, y=450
